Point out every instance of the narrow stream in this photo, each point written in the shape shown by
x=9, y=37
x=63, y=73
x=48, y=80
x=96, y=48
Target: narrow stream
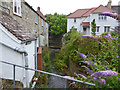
x=56, y=82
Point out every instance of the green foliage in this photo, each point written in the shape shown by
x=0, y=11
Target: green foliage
x=57, y=23
x=103, y=55
x=46, y=59
x=93, y=25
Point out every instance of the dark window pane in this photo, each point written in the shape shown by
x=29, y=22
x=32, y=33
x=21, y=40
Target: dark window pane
x=104, y=29
x=74, y=19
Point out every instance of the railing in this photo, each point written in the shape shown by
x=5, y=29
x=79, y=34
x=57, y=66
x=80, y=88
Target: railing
x=66, y=78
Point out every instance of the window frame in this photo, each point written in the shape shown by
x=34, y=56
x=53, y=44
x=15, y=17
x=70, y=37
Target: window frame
x=18, y=7
x=102, y=17
x=106, y=29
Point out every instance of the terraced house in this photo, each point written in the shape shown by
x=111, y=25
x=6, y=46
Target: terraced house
x=22, y=30
x=81, y=19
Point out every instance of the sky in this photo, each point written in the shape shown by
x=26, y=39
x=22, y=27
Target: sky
x=66, y=6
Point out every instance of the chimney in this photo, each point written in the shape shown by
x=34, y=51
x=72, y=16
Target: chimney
x=38, y=8
x=109, y=4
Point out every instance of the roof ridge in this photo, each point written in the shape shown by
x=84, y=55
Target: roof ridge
x=103, y=6
x=87, y=11
x=97, y=8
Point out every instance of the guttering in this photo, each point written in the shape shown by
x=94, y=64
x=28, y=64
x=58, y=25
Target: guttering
x=14, y=48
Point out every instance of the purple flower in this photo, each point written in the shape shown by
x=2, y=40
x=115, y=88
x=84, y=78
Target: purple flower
x=82, y=75
x=116, y=37
x=90, y=72
x=89, y=63
x=118, y=79
x=75, y=74
x=72, y=83
x=109, y=35
x=117, y=56
x=109, y=14
x=102, y=81
x=107, y=73
x=82, y=55
x=89, y=36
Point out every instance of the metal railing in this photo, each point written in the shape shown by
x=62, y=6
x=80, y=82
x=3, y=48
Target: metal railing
x=66, y=78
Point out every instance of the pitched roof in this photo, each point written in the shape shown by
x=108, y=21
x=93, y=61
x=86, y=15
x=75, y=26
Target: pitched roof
x=86, y=12
x=14, y=27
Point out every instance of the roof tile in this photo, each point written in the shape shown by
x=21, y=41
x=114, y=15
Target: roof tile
x=86, y=12
x=14, y=27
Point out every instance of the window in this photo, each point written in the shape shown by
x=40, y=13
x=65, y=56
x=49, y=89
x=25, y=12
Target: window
x=17, y=7
x=102, y=17
x=97, y=29
x=74, y=19
x=36, y=18
x=106, y=29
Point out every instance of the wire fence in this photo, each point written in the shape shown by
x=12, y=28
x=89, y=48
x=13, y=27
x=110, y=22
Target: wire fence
x=45, y=79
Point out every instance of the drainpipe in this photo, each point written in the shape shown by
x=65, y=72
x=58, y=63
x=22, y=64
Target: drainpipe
x=36, y=54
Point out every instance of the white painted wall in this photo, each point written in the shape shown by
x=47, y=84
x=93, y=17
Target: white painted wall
x=78, y=24
x=70, y=23
x=14, y=57
x=108, y=22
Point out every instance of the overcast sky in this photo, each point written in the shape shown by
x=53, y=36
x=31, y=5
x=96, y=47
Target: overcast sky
x=66, y=6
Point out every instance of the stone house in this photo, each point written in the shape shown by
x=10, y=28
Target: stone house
x=22, y=30
x=81, y=19
x=33, y=21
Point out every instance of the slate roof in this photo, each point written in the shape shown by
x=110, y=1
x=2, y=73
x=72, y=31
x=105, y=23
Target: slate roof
x=14, y=27
x=86, y=12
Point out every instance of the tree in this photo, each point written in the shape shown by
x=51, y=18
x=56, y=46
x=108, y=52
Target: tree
x=93, y=25
x=57, y=23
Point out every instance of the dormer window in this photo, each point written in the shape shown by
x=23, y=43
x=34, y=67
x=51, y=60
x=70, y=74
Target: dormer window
x=17, y=7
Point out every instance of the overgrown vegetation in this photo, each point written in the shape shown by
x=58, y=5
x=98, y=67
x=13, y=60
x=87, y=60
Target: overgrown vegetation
x=100, y=54
x=57, y=23
x=46, y=59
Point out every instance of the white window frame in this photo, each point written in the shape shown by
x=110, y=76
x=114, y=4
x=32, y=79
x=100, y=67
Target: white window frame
x=102, y=17
x=107, y=29
x=18, y=7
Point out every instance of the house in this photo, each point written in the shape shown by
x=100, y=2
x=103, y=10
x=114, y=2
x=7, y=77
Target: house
x=33, y=21
x=81, y=19
x=22, y=30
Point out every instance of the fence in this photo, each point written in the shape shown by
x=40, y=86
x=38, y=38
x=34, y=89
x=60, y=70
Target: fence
x=52, y=74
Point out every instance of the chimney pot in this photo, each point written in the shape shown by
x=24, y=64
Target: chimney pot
x=38, y=8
